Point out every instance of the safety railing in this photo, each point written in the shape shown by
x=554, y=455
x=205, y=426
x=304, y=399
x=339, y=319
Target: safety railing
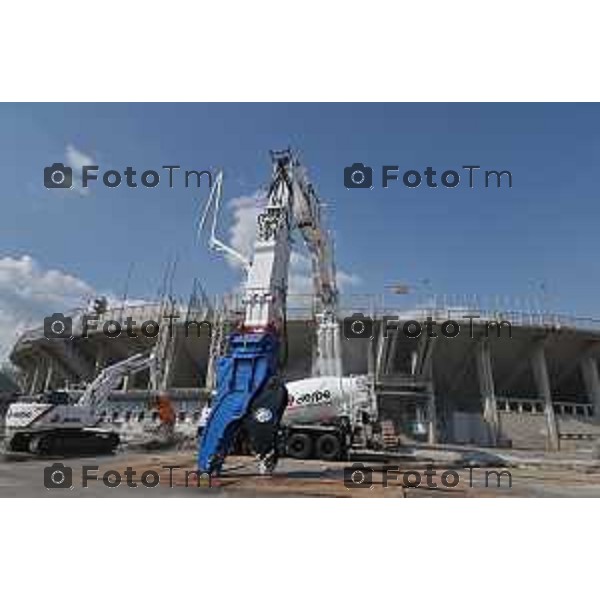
x=536, y=406
x=519, y=405
x=572, y=409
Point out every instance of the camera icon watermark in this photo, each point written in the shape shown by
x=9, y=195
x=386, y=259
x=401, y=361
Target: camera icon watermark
x=57, y=477
x=358, y=326
x=57, y=326
x=358, y=176
x=358, y=476
x=58, y=176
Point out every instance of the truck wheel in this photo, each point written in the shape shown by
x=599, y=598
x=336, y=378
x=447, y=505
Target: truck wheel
x=34, y=444
x=299, y=445
x=328, y=447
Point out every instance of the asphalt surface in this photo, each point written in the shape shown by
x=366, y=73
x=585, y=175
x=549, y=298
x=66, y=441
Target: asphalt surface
x=172, y=474
x=24, y=478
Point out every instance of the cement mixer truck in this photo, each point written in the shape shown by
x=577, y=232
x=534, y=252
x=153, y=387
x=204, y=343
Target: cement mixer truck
x=327, y=417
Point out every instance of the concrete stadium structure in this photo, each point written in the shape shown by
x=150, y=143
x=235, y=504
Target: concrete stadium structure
x=533, y=384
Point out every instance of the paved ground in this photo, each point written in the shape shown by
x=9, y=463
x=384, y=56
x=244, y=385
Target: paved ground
x=531, y=475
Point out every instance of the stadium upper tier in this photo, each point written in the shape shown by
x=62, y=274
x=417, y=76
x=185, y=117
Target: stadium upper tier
x=541, y=368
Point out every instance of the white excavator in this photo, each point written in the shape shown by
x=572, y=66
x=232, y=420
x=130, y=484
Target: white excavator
x=52, y=424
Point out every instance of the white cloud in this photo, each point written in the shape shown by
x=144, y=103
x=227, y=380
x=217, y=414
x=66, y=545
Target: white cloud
x=28, y=293
x=241, y=237
x=346, y=280
x=243, y=229
x=76, y=159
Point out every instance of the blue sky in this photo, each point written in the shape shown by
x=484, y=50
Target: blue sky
x=540, y=234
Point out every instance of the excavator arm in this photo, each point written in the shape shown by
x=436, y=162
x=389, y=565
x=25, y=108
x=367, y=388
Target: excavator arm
x=110, y=378
x=309, y=220
x=249, y=393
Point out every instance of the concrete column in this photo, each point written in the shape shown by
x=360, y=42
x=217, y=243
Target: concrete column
x=371, y=356
x=432, y=434
x=392, y=345
x=380, y=355
x=49, y=375
x=170, y=360
x=26, y=381
x=589, y=370
x=35, y=379
x=540, y=373
x=487, y=390
x=100, y=359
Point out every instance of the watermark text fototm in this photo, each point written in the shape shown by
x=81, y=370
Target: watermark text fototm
x=58, y=325
x=360, y=176
x=59, y=476
x=360, y=326
x=60, y=176
x=360, y=476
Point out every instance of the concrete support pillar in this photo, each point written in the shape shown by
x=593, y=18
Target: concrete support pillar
x=49, y=375
x=487, y=390
x=100, y=359
x=170, y=361
x=35, y=378
x=432, y=434
x=379, y=356
x=542, y=382
x=372, y=349
x=392, y=345
x=589, y=370
x=27, y=380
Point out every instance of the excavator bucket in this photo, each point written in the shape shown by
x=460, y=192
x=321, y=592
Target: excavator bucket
x=261, y=424
x=241, y=376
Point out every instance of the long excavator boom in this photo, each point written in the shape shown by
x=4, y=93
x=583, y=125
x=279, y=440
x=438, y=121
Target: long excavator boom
x=249, y=392
x=110, y=378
